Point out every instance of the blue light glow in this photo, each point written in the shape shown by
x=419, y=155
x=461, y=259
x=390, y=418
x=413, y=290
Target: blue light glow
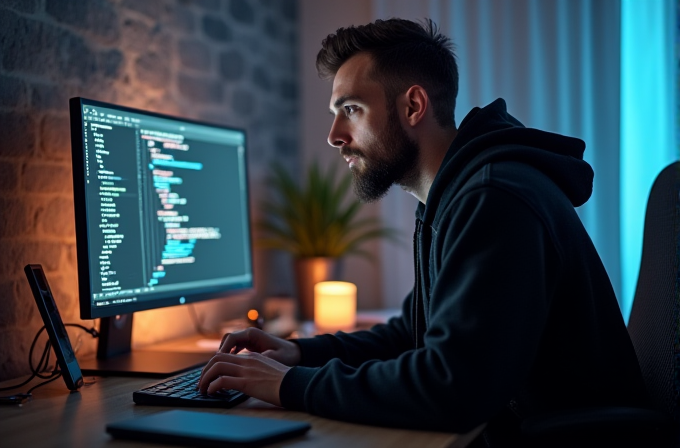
x=647, y=120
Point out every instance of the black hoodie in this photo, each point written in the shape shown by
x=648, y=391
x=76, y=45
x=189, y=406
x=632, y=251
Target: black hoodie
x=512, y=313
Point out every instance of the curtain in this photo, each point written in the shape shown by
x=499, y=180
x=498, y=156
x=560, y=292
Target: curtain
x=557, y=63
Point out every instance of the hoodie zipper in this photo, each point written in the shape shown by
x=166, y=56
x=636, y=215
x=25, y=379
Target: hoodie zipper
x=417, y=306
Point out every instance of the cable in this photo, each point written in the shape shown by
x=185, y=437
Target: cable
x=57, y=375
x=43, y=364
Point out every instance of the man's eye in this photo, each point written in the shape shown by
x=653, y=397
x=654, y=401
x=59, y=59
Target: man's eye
x=350, y=109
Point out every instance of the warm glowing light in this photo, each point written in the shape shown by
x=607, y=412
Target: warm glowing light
x=335, y=306
x=253, y=314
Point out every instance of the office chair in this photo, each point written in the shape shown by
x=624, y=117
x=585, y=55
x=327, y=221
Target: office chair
x=654, y=328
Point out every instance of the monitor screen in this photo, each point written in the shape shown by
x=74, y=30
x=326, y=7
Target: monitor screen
x=161, y=209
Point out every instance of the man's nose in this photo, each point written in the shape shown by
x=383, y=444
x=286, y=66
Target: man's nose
x=338, y=137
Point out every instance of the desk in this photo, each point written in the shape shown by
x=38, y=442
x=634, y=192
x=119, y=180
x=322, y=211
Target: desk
x=58, y=418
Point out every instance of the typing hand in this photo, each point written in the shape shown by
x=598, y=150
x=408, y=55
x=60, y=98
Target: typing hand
x=255, y=340
x=251, y=373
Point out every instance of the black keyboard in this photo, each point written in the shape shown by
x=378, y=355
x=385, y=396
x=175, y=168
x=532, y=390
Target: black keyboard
x=181, y=391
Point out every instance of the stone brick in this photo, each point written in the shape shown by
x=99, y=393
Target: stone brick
x=14, y=219
x=216, y=29
x=20, y=37
x=194, y=54
x=29, y=315
x=28, y=6
x=15, y=344
x=242, y=11
x=152, y=70
x=261, y=78
x=50, y=97
x=288, y=89
x=289, y=9
x=200, y=89
x=272, y=28
x=56, y=137
x=58, y=218
x=46, y=178
x=180, y=19
x=9, y=177
x=212, y=5
x=109, y=63
x=77, y=60
x=19, y=311
x=243, y=102
x=136, y=35
x=65, y=291
x=17, y=254
x=151, y=8
x=97, y=17
x=18, y=134
x=39, y=48
x=269, y=3
x=12, y=92
x=232, y=65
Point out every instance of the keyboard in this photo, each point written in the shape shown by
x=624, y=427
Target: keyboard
x=180, y=390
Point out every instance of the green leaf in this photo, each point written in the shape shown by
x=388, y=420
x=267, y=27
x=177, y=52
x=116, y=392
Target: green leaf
x=318, y=218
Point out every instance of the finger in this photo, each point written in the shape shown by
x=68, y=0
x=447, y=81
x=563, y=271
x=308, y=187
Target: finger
x=222, y=368
x=215, y=371
x=220, y=357
x=232, y=340
x=226, y=382
x=224, y=338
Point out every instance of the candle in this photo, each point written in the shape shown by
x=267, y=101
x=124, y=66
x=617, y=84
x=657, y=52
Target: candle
x=335, y=306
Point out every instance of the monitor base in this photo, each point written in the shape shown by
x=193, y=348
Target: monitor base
x=152, y=364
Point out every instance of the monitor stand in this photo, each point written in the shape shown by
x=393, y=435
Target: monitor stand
x=115, y=356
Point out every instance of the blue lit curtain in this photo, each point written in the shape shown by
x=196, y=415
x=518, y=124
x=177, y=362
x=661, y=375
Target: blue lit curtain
x=557, y=63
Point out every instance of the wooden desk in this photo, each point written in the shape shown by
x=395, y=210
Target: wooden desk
x=57, y=418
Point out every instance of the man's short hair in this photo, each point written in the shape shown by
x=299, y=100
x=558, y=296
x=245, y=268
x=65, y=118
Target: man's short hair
x=405, y=53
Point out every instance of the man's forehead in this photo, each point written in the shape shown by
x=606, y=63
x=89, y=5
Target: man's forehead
x=353, y=80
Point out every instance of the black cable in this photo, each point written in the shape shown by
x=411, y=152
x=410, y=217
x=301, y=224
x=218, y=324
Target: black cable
x=56, y=375
x=44, y=360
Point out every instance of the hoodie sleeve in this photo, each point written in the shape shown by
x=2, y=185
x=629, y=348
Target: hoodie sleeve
x=488, y=303
x=383, y=341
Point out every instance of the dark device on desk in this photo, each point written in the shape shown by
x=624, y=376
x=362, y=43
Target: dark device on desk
x=207, y=429
x=162, y=219
x=56, y=330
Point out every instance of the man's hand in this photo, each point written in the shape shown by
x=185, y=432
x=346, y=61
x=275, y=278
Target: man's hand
x=255, y=340
x=251, y=373
x=259, y=373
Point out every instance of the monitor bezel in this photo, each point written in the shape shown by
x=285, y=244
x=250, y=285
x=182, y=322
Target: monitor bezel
x=87, y=311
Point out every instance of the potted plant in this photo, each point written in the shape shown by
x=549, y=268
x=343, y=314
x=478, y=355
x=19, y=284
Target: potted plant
x=317, y=222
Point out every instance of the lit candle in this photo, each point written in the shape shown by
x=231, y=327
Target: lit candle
x=335, y=306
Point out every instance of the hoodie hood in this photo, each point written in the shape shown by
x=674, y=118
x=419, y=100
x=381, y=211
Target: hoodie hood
x=491, y=134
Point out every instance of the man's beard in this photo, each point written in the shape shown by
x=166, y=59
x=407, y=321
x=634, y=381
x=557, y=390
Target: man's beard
x=393, y=158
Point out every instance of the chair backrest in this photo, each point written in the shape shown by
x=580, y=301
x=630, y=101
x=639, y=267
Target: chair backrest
x=654, y=324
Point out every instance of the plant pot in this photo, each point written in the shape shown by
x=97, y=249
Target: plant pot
x=309, y=272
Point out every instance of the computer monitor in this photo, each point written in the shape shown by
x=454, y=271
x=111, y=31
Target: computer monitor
x=162, y=219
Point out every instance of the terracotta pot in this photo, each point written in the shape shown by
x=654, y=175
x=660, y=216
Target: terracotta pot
x=309, y=272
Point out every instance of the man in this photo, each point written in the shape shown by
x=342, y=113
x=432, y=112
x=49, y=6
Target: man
x=512, y=313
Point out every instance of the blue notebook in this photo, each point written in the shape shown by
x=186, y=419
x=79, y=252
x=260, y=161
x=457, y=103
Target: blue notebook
x=205, y=429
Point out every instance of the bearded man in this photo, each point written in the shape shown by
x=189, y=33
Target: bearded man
x=512, y=313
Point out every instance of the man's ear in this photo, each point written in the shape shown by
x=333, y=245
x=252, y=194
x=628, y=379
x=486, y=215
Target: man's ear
x=416, y=103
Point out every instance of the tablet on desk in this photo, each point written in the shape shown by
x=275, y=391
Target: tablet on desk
x=205, y=429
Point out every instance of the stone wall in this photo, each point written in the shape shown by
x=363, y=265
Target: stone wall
x=225, y=61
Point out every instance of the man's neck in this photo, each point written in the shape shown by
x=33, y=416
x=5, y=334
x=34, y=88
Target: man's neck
x=433, y=149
